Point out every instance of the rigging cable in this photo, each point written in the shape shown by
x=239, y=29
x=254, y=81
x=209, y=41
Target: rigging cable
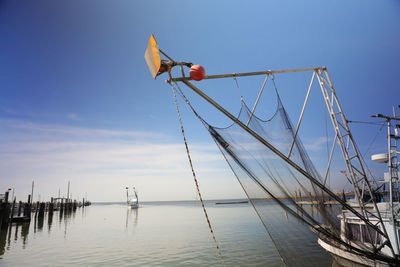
x=194, y=176
x=373, y=140
x=206, y=125
x=237, y=85
x=362, y=156
x=327, y=144
x=310, y=224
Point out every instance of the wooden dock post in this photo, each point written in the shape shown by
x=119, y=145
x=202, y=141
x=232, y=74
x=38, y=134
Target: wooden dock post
x=62, y=206
x=5, y=212
x=51, y=207
x=19, y=208
x=28, y=207
x=40, y=219
x=42, y=207
x=36, y=209
x=12, y=210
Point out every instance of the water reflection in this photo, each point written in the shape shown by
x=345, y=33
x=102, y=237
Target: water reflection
x=50, y=221
x=19, y=231
x=131, y=216
x=3, y=237
x=169, y=234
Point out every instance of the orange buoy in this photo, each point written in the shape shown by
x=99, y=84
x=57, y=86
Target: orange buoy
x=197, y=72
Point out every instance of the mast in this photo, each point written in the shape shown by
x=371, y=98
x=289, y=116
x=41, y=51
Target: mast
x=68, y=193
x=33, y=185
x=137, y=198
x=392, y=163
x=127, y=196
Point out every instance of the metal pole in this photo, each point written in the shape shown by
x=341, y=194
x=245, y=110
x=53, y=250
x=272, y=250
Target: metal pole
x=391, y=184
x=68, y=192
x=390, y=166
x=330, y=159
x=282, y=156
x=258, y=98
x=350, y=167
x=33, y=184
x=301, y=115
x=181, y=79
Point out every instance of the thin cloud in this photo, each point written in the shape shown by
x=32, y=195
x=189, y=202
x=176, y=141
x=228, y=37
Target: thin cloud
x=74, y=117
x=49, y=153
x=317, y=145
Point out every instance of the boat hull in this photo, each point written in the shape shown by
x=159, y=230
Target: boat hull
x=133, y=205
x=347, y=258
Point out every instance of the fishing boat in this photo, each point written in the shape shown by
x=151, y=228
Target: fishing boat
x=357, y=232
x=132, y=200
x=274, y=169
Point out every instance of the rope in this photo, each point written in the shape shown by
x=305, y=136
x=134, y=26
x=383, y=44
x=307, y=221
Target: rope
x=365, y=122
x=252, y=204
x=237, y=85
x=195, y=179
x=373, y=140
x=248, y=197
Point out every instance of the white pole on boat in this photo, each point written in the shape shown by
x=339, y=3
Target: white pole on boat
x=33, y=184
x=68, y=192
x=390, y=166
x=391, y=185
x=391, y=174
x=127, y=196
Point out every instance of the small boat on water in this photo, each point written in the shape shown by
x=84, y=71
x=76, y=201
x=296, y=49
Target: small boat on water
x=132, y=199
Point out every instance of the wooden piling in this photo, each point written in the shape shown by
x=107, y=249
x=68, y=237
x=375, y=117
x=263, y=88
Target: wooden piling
x=5, y=212
x=42, y=207
x=12, y=210
x=28, y=208
x=36, y=209
x=51, y=207
x=19, y=208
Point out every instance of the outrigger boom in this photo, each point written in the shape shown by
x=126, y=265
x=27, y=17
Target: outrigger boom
x=378, y=234
x=243, y=74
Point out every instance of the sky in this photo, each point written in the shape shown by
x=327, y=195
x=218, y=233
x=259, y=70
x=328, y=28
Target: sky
x=78, y=103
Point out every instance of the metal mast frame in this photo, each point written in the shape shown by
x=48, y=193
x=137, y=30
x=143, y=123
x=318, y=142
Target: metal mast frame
x=355, y=170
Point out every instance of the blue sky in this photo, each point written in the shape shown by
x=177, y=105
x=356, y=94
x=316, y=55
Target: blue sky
x=77, y=102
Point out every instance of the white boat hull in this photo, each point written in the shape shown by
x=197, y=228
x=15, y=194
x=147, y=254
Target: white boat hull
x=347, y=258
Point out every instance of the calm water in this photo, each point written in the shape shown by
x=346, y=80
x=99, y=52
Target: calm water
x=156, y=234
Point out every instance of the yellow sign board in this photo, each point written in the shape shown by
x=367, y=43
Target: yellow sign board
x=152, y=57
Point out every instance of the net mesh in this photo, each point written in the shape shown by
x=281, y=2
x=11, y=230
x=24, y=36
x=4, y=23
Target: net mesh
x=269, y=181
x=291, y=206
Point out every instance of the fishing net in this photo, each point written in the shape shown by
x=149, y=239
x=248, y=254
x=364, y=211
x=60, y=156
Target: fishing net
x=275, y=188
x=292, y=205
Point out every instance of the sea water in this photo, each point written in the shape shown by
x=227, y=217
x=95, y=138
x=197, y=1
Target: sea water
x=155, y=234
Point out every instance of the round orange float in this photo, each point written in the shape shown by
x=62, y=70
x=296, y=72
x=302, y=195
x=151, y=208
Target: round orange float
x=197, y=72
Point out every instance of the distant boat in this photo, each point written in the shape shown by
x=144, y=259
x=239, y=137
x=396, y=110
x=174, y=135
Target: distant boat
x=133, y=199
